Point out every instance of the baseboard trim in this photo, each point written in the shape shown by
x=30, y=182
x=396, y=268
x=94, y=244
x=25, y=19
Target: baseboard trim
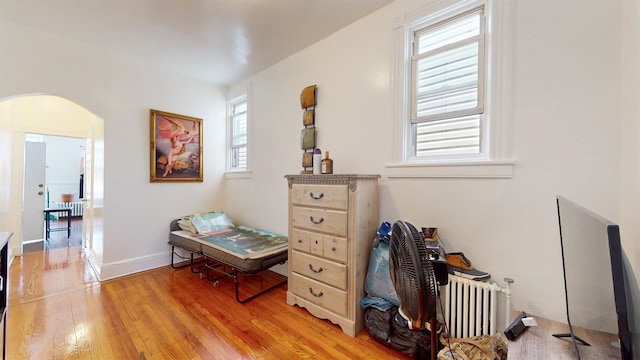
x=130, y=266
x=135, y=265
x=93, y=262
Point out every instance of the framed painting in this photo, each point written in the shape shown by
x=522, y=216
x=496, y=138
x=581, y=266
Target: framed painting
x=176, y=147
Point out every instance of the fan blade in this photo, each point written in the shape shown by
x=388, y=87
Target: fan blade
x=407, y=274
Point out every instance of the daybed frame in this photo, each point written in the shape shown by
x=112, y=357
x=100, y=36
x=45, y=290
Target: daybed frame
x=213, y=259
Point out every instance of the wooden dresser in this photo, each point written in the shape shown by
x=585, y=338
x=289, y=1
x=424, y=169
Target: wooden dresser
x=332, y=222
x=4, y=284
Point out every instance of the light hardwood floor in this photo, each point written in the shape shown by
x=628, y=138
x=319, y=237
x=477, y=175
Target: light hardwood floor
x=58, y=310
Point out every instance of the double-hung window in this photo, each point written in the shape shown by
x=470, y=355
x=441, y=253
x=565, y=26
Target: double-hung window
x=453, y=90
x=447, y=73
x=238, y=133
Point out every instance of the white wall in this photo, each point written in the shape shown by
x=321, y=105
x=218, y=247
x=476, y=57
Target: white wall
x=64, y=156
x=630, y=110
x=5, y=178
x=121, y=92
x=567, y=131
x=631, y=127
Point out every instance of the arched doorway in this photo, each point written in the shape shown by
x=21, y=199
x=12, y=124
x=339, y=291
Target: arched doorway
x=50, y=115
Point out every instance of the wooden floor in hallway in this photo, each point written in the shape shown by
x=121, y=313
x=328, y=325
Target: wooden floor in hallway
x=59, y=239
x=59, y=310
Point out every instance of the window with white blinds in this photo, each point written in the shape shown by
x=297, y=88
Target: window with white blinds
x=452, y=85
x=447, y=86
x=238, y=121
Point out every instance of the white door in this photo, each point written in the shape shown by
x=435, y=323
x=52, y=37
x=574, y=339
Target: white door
x=87, y=200
x=34, y=197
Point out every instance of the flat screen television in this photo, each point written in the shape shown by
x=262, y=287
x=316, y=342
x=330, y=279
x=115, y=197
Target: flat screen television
x=596, y=276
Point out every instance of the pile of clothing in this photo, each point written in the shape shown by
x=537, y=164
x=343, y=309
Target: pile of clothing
x=381, y=317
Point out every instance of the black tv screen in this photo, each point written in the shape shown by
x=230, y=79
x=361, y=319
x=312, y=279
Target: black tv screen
x=596, y=276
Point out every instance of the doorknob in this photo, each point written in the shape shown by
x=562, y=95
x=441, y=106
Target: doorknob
x=40, y=193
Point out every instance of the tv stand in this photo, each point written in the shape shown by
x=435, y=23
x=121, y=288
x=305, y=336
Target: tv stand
x=538, y=343
x=568, y=335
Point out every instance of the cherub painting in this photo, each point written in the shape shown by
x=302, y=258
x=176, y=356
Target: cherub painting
x=176, y=147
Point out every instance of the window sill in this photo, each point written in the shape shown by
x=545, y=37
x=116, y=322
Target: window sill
x=481, y=170
x=237, y=174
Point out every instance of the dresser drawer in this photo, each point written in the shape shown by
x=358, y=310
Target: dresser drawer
x=300, y=240
x=320, y=294
x=326, y=196
x=331, y=247
x=327, y=221
x=335, y=248
x=328, y=272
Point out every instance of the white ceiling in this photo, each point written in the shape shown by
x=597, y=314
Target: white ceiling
x=218, y=41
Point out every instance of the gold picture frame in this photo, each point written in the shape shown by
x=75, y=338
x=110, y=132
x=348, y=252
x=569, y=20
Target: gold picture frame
x=176, y=147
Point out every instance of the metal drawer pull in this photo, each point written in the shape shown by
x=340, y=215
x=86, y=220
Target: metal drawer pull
x=315, y=294
x=333, y=248
x=316, y=197
x=316, y=222
x=314, y=270
x=299, y=241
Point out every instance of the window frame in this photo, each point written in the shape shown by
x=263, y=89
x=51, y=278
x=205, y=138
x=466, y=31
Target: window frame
x=415, y=58
x=494, y=159
x=237, y=172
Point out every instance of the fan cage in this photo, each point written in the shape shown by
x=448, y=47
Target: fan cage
x=412, y=274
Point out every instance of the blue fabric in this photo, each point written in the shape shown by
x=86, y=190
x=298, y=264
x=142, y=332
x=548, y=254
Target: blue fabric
x=377, y=303
x=378, y=282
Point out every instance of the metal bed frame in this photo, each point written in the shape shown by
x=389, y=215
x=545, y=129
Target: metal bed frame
x=225, y=265
x=220, y=268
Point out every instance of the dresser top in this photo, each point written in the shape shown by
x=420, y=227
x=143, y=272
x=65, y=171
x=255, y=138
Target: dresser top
x=306, y=177
x=330, y=179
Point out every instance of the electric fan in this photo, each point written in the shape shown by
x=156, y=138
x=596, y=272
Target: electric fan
x=414, y=279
